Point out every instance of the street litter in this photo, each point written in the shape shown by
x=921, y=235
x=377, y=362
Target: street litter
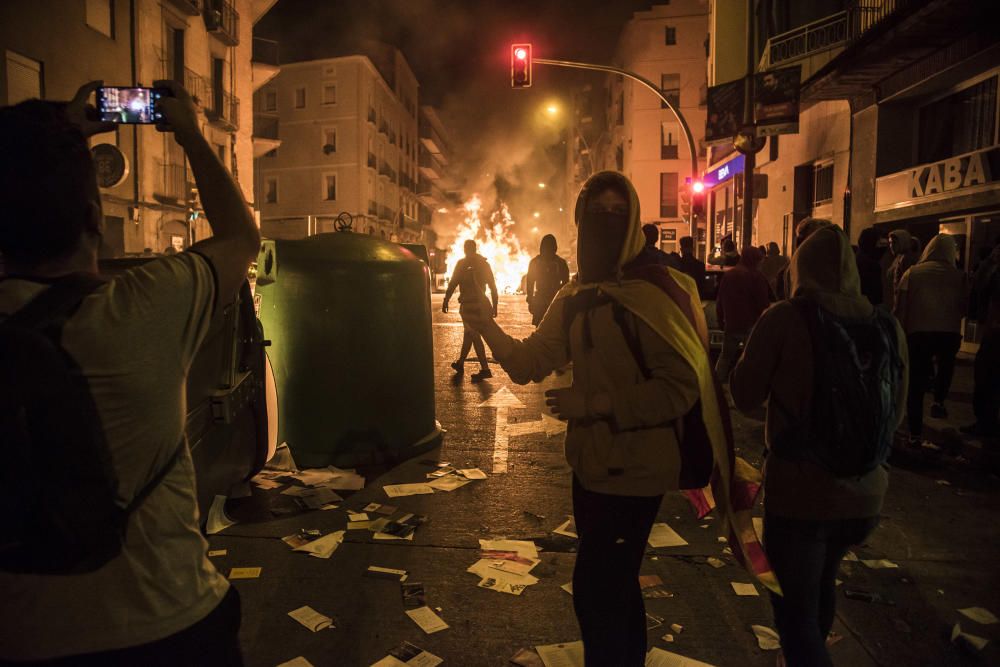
x=472, y=473
x=523, y=548
x=440, y=472
x=979, y=615
x=653, y=621
x=850, y=556
x=386, y=573
x=301, y=538
x=413, y=595
x=880, y=564
x=669, y=638
x=449, y=483
x=657, y=657
x=677, y=628
x=371, y=507
x=744, y=590
x=245, y=572
x=926, y=444
x=296, y=662
x=652, y=587
x=568, y=587
x=312, y=619
x=408, y=654
x=356, y=516
x=397, y=490
x=561, y=655
x=428, y=621
x=722, y=540
x=387, y=510
x=526, y=657
x=767, y=638
x=217, y=520
x=716, y=562
x=324, y=546
x=867, y=596
x=217, y=552
x=330, y=477
x=567, y=528
x=942, y=482
x=978, y=643
x=265, y=483
x=359, y=525
x=662, y=535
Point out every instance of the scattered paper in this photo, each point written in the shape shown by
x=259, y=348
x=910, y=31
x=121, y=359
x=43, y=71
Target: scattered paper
x=301, y=538
x=657, y=657
x=662, y=535
x=359, y=525
x=266, y=483
x=880, y=564
x=524, y=548
x=397, y=490
x=669, y=638
x=722, y=540
x=410, y=655
x=942, y=482
x=850, y=556
x=472, y=473
x=371, y=507
x=568, y=587
x=413, y=595
x=217, y=552
x=356, y=516
x=324, y=546
x=245, y=572
x=979, y=615
x=526, y=658
x=514, y=566
x=501, y=585
x=386, y=510
x=385, y=573
x=448, y=483
x=653, y=621
x=652, y=587
x=387, y=536
x=567, y=528
x=979, y=643
x=441, y=472
x=311, y=618
x=744, y=589
x=716, y=562
x=561, y=655
x=217, y=520
x=767, y=639
x=677, y=628
x=296, y=662
x=428, y=621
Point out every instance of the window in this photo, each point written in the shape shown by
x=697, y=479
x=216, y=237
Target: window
x=270, y=100
x=330, y=190
x=300, y=98
x=271, y=191
x=668, y=195
x=330, y=141
x=960, y=123
x=772, y=147
x=822, y=184
x=670, y=86
x=668, y=140
x=175, y=54
x=669, y=35
x=100, y=15
x=330, y=94
x=24, y=78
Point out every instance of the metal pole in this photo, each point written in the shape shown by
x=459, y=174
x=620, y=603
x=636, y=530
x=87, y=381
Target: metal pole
x=648, y=84
x=750, y=162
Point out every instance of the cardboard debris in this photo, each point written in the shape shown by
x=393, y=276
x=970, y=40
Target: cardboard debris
x=472, y=473
x=767, y=639
x=662, y=535
x=567, y=528
x=978, y=643
x=979, y=615
x=311, y=619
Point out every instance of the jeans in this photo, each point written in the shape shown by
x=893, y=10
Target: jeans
x=805, y=555
x=606, y=596
x=925, y=347
x=986, y=373
x=211, y=642
x=732, y=348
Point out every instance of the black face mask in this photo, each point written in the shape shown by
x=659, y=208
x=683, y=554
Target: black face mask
x=601, y=236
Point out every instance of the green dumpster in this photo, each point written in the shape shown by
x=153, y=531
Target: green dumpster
x=349, y=320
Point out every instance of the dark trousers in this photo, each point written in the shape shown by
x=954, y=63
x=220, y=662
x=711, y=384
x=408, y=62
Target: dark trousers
x=211, y=642
x=606, y=596
x=986, y=372
x=926, y=347
x=805, y=555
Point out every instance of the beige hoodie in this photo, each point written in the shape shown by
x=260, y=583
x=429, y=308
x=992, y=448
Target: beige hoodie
x=777, y=366
x=933, y=295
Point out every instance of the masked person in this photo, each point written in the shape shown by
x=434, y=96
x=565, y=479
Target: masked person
x=472, y=276
x=743, y=296
x=547, y=273
x=638, y=366
x=905, y=253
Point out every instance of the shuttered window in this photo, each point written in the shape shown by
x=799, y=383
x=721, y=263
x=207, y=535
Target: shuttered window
x=24, y=78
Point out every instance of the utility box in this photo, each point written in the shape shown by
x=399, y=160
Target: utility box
x=349, y=320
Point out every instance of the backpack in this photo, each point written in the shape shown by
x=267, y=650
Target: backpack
x=852, y=415
x=58, y=489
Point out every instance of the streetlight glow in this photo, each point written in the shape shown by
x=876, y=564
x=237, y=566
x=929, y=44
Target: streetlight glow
x=537, y=214
x=552, y=109
x=541, y=185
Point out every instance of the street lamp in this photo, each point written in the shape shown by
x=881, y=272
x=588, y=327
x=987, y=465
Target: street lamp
x=536, y=214
x=541, y=186
x=552, y=109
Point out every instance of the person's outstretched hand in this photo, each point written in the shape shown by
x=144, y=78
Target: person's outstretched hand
x=180, y=115
x=84, y=115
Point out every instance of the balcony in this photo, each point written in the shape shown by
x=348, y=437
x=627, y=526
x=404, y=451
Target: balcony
x=432, y=140
x=197, y=86
x=392, y=137
x=806, y=41
x=405, y=181
x=386, y=213
x=264, y=61
x=430, y=194
x=430, y=166
x=223, y=21
x=372, y=161
x=189, y=7
x=265, y=134
x=224, y=109
x=372, y=208
x=383, y=127
x=172, y=186
x=371, y=116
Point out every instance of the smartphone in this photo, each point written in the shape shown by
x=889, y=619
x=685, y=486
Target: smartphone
x=130, y=106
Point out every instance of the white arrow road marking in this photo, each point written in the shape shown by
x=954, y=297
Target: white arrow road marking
x=503, y=401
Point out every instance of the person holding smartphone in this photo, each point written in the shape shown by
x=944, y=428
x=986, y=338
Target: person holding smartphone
x=159, y=601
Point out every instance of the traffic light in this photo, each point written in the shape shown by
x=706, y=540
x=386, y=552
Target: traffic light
x=520, y=66
x=693, y=198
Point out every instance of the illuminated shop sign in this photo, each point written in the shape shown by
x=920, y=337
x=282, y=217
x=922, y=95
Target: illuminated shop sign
x=724, y=172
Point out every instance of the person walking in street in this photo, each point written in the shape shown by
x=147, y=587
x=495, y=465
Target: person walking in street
x=986, y=372
x=730, y=256
x=831, y=368
x=901, y=245
x=472, y=276
x=743, y=296
x=547, y=273
x=690, y=264
x=633, y=376
x=869, y=268
x=806, y=228
x=152, y=596
x=772, y=265
x=652, y=254
x=930, y=304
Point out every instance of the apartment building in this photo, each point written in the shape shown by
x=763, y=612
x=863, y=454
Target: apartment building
x=666, y=45
x=349, y=143
x=51, y=47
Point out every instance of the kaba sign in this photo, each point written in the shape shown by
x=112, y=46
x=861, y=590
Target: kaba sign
x=948, y=175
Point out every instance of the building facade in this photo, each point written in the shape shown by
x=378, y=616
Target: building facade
x=51, y=47
x=349, y=143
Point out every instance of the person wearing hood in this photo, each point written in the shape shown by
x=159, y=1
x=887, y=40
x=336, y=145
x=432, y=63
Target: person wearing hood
x=772, y=265
x=620, y=442
x=743, y=295
x=729, y=257
x=931, y=300
x=814, y=511
x=547, y=273
x=901, y=245
x=471, y=277
x=803, y=230
x=869, y=268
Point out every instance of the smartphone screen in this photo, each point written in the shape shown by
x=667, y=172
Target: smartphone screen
x=129, y=105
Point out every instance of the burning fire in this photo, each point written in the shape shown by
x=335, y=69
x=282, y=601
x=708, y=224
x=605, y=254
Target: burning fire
x=495, y=241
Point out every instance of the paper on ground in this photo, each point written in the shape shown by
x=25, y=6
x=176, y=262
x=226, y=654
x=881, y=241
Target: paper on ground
x=397, y=490
x=880, y=564
x=265, y=483
x=428, y=621
x=524, y=548
x=484, y=569
x=716, y=562
x=217, y=552
x=324, y=546
x=472, y=473
x=561, y=655
x=296, y=662
x=744, y=589
x=514, y=566
x=449, y=483
x=567, y=528
x=245, y=572
x=501, y=585
x=311, y=618
x=387, y=536
x=850, y=556
x=767, y=638
x=217, y=520
x=568, y=587
x=979, y=615
x=979, y=643
x=356, y=516
x=657, y=657
x=663, y=535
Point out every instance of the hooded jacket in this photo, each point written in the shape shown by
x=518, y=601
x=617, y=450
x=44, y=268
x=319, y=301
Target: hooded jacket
x=900, y=265
x=932, y=295
x=777, y=366
x=743, y=294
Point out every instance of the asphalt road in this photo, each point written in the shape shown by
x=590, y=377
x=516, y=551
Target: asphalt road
x=942, y=536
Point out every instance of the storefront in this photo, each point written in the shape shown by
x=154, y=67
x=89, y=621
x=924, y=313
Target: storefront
x=723, y=202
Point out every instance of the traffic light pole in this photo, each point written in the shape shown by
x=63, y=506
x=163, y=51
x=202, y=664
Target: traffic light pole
x=693, y=226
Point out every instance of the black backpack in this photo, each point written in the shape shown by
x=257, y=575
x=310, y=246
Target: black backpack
x=857, y=370
x=58, y=488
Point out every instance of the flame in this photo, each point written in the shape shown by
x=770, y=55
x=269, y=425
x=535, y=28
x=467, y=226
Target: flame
x=495, y=240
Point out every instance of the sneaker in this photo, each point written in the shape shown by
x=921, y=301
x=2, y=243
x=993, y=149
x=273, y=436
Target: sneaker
x=482, y=375
x=938, y=411
x=459, y=366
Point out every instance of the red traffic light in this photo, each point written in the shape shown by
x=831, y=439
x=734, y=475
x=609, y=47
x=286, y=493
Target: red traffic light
x=520, y=65
x=698, y=187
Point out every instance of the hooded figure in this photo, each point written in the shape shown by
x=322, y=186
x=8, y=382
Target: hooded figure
x=811, y=515
x=869, y=269
x=773, y=264
x=640, y=364
x=931, y=300
x=901, y=245
x=743, y=295
x=547, y=273
x=803, y=230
